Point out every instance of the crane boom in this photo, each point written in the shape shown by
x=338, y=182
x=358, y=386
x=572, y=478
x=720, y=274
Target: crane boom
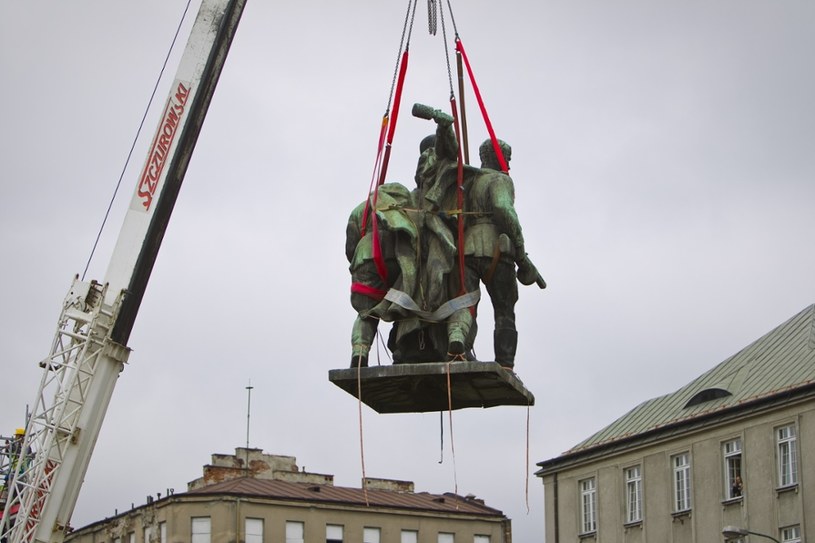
x=89, y=348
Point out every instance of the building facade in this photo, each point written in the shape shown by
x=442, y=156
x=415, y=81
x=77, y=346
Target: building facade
x=733, y=448
x=251, y=497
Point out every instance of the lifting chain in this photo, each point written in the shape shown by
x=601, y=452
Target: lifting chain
x=432, y=11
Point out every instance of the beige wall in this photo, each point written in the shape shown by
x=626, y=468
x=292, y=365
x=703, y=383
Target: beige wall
x=225, y=511
x=763, y=507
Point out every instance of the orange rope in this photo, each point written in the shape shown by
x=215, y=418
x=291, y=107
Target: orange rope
x=526, y=479
x=452, y=441
x=361, y=441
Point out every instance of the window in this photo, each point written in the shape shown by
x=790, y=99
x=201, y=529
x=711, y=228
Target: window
x=131, y=537
x=633, y=494
x=733, y=486
x=446, y=538
x=371, y=535
x=409, y=536
x=201, y=530
x=253, y=528
x=481, y=539
x=787, y=456
x=333, y=533
x=792, y=534
x=162, y=532
x=708, y=395
x=588, y=506
x=294, y=532
x=148, y=534
x=682, y=490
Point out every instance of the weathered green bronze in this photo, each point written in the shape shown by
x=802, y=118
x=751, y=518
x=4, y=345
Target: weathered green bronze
x=416, y=283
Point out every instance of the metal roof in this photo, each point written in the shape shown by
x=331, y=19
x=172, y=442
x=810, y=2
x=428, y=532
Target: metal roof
x=447, y=503
x=780, y=362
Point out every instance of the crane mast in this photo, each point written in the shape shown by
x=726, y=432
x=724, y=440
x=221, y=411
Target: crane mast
x=89, y=348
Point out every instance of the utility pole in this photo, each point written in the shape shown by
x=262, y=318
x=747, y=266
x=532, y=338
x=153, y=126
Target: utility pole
x=249, y=388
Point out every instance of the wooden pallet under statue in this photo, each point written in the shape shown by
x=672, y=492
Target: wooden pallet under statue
x=423, y=387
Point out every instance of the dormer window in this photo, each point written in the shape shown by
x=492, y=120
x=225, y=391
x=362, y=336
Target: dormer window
x=708, y=394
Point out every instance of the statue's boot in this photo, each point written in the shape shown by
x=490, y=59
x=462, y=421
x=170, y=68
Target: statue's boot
x=455, y=346
x=505, y=342
x=458, y=329
x=362, y=336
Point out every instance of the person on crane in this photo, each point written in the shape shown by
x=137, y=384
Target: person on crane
x=494, y=244
x=15, y=455
x=5, y=468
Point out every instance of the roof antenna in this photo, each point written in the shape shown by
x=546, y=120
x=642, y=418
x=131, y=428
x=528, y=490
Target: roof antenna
x=249, y=388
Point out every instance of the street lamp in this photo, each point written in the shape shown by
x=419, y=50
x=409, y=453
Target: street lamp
x=734, y=531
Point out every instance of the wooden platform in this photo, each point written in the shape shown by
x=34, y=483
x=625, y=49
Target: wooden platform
x=419, y=388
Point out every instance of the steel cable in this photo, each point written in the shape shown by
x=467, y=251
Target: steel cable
x=135, y=139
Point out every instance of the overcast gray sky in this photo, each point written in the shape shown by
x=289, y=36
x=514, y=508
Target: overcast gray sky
x=664, y=161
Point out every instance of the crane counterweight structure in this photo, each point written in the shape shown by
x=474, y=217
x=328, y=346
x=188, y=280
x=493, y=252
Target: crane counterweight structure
x=89, y=348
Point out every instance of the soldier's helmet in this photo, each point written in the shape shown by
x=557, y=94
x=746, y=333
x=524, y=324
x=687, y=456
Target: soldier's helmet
x=486, y=153
x=427, y=143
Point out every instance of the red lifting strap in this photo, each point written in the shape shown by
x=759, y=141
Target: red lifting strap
x=379, y=261
x=495, y=146
x=396, y=101
x=364, y=226
x=368, y=291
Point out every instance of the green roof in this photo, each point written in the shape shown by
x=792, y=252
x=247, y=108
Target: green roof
x=779, y=363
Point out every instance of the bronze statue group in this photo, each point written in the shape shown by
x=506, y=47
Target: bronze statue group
x=403, y=248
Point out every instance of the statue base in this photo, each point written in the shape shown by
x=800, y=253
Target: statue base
x=419, y=388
